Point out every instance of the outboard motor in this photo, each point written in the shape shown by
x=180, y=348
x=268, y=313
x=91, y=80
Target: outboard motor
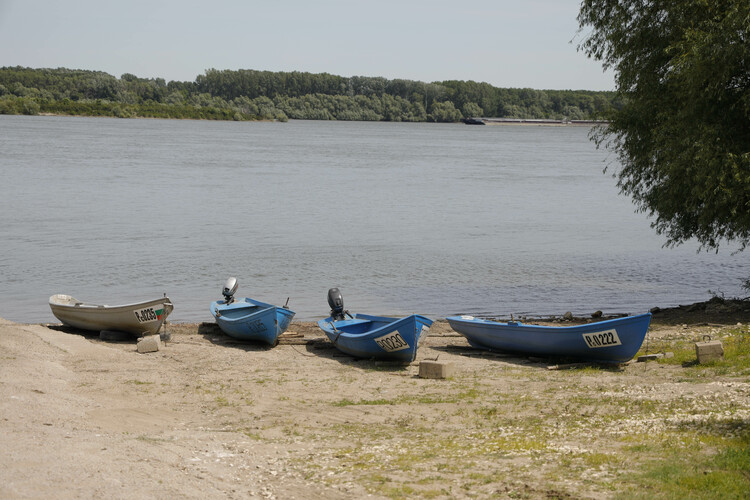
x=336, y=301
x=229, y=288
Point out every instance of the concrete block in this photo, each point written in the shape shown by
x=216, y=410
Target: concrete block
x=433, y=369
x=711, y=350
x=151, y=343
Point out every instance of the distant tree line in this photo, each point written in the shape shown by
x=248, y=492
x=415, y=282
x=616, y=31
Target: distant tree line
x=265, y=95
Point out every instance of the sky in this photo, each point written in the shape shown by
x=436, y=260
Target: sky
x=506, y=43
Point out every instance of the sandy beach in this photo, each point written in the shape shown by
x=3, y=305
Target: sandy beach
x=210, y=417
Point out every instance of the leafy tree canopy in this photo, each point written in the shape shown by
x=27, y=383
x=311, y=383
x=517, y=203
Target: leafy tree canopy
x=682, y=134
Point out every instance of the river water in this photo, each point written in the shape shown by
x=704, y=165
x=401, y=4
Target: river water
x=429, y=218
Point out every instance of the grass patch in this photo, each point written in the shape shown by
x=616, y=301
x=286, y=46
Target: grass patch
x=222, y=401
x=736, y=362
x=724, y=475
x=467, y=395
x=349, y=402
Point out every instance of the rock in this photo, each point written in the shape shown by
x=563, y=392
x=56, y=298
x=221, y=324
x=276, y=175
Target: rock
x=717, y=308
x=434, y=369
x=568, y=316
x=596, y=314
x=151, y=343
x=655, y=310
x=696, y=307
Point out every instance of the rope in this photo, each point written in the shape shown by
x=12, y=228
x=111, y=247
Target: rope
x=302, y=353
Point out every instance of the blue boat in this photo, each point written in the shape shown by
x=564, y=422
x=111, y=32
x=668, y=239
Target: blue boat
x=248, y=319
x=611, y=341
x=378, y=337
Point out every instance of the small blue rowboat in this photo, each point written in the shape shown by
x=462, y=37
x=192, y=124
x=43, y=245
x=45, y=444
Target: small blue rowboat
x=378, y=337
x=248, y=319
x=611, y=341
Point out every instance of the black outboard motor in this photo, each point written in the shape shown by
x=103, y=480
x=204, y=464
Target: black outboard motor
x=228, y=291
x=336, y=301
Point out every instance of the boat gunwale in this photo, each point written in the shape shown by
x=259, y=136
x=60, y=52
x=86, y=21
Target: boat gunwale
x=262, y=308
x=395, y=324
x=508, y=326
x=91, y=307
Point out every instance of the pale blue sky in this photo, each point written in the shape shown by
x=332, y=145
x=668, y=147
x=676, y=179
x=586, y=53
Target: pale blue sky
x=522, y=43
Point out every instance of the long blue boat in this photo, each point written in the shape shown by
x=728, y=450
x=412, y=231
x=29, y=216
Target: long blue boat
x=610, y=341
x=248, y=319
x=378, y=337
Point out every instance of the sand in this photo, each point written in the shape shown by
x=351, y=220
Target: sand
x=209, y=417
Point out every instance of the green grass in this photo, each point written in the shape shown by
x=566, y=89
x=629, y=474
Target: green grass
x=736, y=362
x=349, y=402
x=466, y=395
x=721, y=475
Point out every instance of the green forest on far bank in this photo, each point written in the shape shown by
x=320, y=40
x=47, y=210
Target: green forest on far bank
x=265, y=95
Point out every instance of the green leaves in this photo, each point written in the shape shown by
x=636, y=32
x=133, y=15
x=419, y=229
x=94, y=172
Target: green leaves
x=683, y=133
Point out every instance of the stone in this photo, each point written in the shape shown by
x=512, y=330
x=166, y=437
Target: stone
x=151, y=343
x=711, y=350
x=434, y=369
x=568, y=316
x=596, y=314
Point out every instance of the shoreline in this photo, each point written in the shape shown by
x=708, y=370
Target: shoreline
x=486, y=121
x=716, y=311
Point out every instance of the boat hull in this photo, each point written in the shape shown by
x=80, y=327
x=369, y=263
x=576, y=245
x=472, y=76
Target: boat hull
x=141, y=318
x=611, y=341
x=365, y=336
x=248, y=319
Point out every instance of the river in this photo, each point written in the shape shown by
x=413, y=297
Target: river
x=436, y=219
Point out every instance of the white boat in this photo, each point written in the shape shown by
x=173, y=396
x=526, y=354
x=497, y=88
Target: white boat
x=142, y=318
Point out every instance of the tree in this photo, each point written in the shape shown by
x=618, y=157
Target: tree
x=444, y=112
x=471, y=109
x=682, y=133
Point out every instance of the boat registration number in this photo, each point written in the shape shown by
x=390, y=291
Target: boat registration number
x=392, y=342
x=257, y=326
x=145, y=315
x=602, y=339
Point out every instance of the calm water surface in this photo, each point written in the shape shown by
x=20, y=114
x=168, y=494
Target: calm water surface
x=435, y=219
